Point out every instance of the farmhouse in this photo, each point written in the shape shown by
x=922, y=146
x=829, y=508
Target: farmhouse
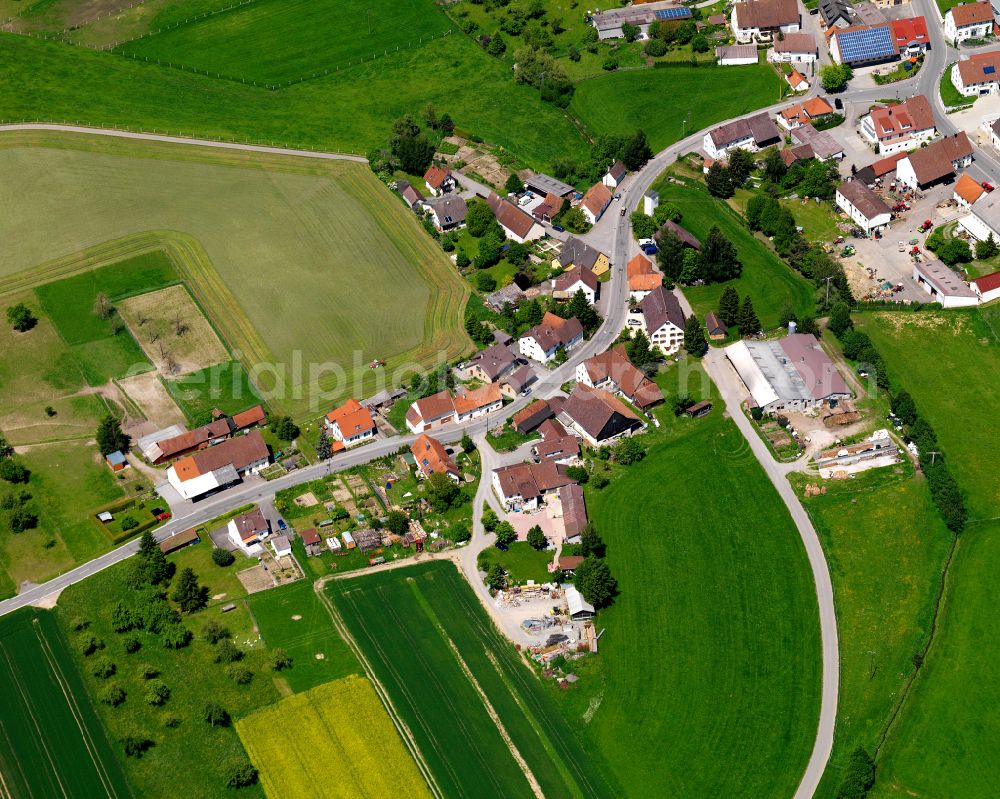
x=248, y=531
x=660, y=317
x=431, y=457
x=556, y=445
x=430, y=412
x=943, y=285
x=823, y=145
x=792, y=373
x=160, y=450
x=987, y=287
x=612, y=371
x=875, y=451
x=615, y=175
x=597, y=416
x=717, y=331
x=936, y=162
x=516, y=224
x=735, y=55
x=910, y=35
x=548, y=208
x=478, y=402
x=968, y=21
x=527, y=419
x=642, y=15
x=216, y=467
x=491, y=364
x=510, y=294
x=967, y=191
x=752, y=133
x=448, y=212
x=542, y=342
x=595, y=201
x=523, y=486
x=977, y=75
x=543, y=184
x=815, y=109
x=863, y=206
x=351, y=423
x=576, y=252
x=642, y=277
x=438, y=180
x=902, y=126
x=761, y=20
x=794, y=48
x=579, y=278
x=861, y=45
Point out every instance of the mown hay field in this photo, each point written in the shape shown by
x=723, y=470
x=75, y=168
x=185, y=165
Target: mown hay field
x=430, y=644
x=273, y=41
x=51, y=741
x=335, y=741
x=308, y=269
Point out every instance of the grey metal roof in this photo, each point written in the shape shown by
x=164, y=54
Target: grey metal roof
x=548, y=185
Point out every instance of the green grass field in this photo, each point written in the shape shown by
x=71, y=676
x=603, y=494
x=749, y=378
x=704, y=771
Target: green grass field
x=769, y=282
x=354, y=276
x=711, y=649
x=273, y=41
x=303, y=638
x=522, y=562
x=672, y=102
x=225, y=386
x=418, y=627
x=51, y=741
x=938, y=746
x=885, y=545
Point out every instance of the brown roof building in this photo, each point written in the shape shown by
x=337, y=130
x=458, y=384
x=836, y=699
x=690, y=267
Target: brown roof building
x=574, y=512
x=541, y=342
x=432, y=411
x=598, y=416
x=491, y=364
x=517, y=224
x=766, y=15
x=524, y=484
x=612, y=371
x=527, y=419
x=936, y=162
x=432, y=458
x=597, y=198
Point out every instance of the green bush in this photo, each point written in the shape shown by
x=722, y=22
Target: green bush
x=223, y=557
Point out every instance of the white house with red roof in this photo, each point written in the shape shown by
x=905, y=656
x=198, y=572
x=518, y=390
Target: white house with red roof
x=968, y=21
x=438, y=180
x=350, y=424
x=901, y=126
x=987, y=287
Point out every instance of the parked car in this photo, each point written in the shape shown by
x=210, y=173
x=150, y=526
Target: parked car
x=838, y=104
x=617, y=196
x=282, y=525
x=649, y=249
x=623, y=212
x=559, y=228
x=162, y=517
x=987, y=186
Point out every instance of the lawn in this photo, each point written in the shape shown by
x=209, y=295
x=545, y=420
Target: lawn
x=176, y=764
x=886, y=545
x=225, y=386
x=430, y=644
x=355, y=276
x=323, y=744
x=509, y=439
x=951, y=96
x=51, y=741
x=712, y=644
x=293, y=619
x=139, y=20
x=522, y=562
x=48, y=80
x=673, y=102
x=817, y=220
x=276, y=41
x=765, y=277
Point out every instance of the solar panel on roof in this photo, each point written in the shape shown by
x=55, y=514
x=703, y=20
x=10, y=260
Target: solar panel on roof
x=989, y=70
x=866, y=45
x=672, y=13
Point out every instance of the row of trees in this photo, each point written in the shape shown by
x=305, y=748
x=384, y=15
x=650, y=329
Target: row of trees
x=633, y=151
x=716, y=262
x=16, y=509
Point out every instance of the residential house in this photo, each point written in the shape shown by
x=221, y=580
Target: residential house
x=987, y=287
x=510, y=294
x=524, y=486
x=209, y=469
x=516, y=224
x=576, y=252
x=660, y=317
x=983, y=219
x=351, y=423
x=447, y=212
x=687, y=239
x=598, y=417
x=911, y=35
x=762, y=20
x=219, y=429
x=615, y=175
x=612, y=371
x=863, y=206
x=810, y=111
x=595, y=202
x=978, y=74
x=430, y=412
x=410, y=195
x=548, y=208
x=736, y=55
x=824, y=146
x=518, y=382
x=431, y=457
x=861, y=45
x=937, y=162
x=438, y=180
x=796, y=81
x=642, y=277
x=493, y=363
x=794, y=48
x=837, y=14
x=248, y=531
x=282, y=546
x=943, y=285
x=544, y=184
x=477, y=402
x=717, y=331
x=903, y=126
x=541, y=342
x=967, y=191
x=556, y=445
x=968, y=21
x=527, y=419
x=313, y=541
x=642, y=15
x=751, y=133
x=579, y=278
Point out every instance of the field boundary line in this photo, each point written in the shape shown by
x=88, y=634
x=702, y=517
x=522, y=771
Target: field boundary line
x=401, y=727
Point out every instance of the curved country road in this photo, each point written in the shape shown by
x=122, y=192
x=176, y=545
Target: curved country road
x=611, y=235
